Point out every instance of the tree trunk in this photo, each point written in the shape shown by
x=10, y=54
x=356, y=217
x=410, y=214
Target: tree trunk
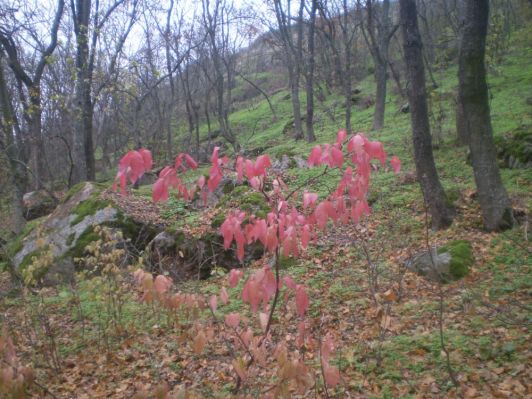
x=380, y=96
x=474, y=103
x=296, y=105
x=36, y=145
x=82, y=134
x=433, y=193
x=16, y=175
x=310, y=75
x=461, y=125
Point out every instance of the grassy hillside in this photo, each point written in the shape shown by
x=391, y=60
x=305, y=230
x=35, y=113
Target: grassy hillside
x=486, y=315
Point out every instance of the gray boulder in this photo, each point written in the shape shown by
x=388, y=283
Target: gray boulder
x=66, y=232
x=444, y=264
x=37, y=204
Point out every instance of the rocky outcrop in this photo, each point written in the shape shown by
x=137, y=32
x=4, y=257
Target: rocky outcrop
x=444, y=264
x=64, y=234
x=38, y=204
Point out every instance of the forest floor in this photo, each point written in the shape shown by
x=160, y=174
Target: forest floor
x=386, y=348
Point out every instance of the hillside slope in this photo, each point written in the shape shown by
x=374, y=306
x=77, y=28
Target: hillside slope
x=389, y=350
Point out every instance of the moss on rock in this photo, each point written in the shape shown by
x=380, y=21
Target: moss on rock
x=85, y=238
x=514, y=149
x=89, y=207
x=462, y=259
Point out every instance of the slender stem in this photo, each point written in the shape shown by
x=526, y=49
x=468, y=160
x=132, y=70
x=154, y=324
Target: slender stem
x=441, y=304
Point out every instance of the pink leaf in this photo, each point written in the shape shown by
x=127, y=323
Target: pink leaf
x=331, y=375
x=201, y=181
x=162, y=284
x=340, y=137
x=314, y=158
x=289, y=282
x=147, y=158
x=337, y=157
x=232, y=319
x=213, y=303
x=302, y=301
x=375, y=150
x=160, y=191
x=234, y=276
x=224, y=296
x=192, y=164
x=396, y=164
x=309, y=199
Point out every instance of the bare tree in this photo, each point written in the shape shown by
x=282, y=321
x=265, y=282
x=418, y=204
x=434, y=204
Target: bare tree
x=340, y=15
x=477, y=130
x=87, y=36
x=31, y=81
x=216, y=22
x=9, y=155
x=378, y=32
x=424, y=159
x=292, y=53
x=309, y=72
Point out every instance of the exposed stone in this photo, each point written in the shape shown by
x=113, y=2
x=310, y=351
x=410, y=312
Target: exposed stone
x=445, y=264
x=514, y=149
x=69, y=228
x=37, y=204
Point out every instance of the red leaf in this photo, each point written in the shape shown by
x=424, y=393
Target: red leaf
x=302, y=301
x=162, y=284
x=160, y=191
x=331, y=375
x=314, y=158
x=337, y=157
x=234, y=276
x=147, y=158
x=396, y=164
x=289, y=282
x=340, y=137
x=375, y=149
x=192, y=164
x=213, y=303
x=232, y=319
x=224, y=296
x=309, y=199
x=201, y=181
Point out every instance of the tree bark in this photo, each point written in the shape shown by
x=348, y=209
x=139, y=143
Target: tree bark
x=477, y=130
x=310, y=74
x=427, y=174
x=378, y=40
x=16, y=176
x=82, y=134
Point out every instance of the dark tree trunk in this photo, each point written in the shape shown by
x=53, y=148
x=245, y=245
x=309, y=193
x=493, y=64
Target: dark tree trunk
x=461, y=125
x=310, y=75
x=16, y=174
x=36, y=144
x=293, y=77
x=82, y=134
x=426, y=169
x=380, y=96
x=378, y=40
x=477, y=129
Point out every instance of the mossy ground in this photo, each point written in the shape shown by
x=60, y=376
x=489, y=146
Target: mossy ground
x=485, y=324
x=461, y=257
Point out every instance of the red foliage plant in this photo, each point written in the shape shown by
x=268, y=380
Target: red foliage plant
x=288, y=228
